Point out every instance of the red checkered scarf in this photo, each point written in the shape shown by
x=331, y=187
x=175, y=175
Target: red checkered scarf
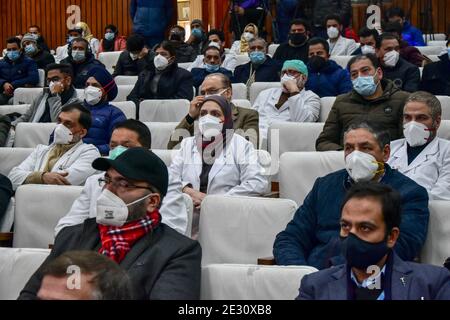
x=118, y=241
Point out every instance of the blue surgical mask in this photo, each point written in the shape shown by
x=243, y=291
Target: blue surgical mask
x=78, y=55
x=257, y=57
x=117, y=151
x=365, y=86
x=110, y=36
x=13, y=55
x=362, y=254
x=30, y=49
x=198, y=33
x=212, y=67
x=69, y=39
x=448, y=51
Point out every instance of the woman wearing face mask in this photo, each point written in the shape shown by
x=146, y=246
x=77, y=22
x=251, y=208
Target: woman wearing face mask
x=112, y=41
x=99, y=91
x=241, y=46
x=216, y=161
x=163, y=79
x=87, y=34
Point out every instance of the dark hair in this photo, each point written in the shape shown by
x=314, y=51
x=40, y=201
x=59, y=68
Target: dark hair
x=182, y=31
x=85, y=115
x=369, y=56
x=168, y=46
x=135, y=42
x=393, y=27
x=109, y=280
x=333, y=17
x=376, y=129
x=35, y=26
x=303, y=22
x=62, y=67
x=395, y=12
x=389, y=198
x=322, y=41
x=14, y=40
x=211, y=48
x=79, y=39
x=218, y=33
x=386, y=36
x=143, y=132
x=112, y=27
x=366, y=32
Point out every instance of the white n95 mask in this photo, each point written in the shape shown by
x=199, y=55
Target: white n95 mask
x=391, y=58
x=160, y=62
x=92, y=95
x=361, y=166
x=286, y=78
x=416, y=133
x=62, y=135
x=210, y=126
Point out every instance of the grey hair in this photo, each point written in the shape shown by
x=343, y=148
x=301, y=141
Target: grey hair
x=226, y=83
x=433, y=103
x=264, y=42
x=381, y=135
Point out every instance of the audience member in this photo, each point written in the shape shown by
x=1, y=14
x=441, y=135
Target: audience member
x=410, y=34
x=112, y=41
x=94, y=43
x=135, y=59
x=184, y=51
x=35, y=30
x=297, y=46
x=197, y=39
x=33, y=51
x=436, y=75
x=368, y=41
x=242, y=46
x=339, y=45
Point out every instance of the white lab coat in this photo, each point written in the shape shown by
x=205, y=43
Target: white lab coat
x=173, y=209
x=430, y=169
x=229, y=63
x=77, y=162
x=343, y=47
x=235, y=172
x=303, y=107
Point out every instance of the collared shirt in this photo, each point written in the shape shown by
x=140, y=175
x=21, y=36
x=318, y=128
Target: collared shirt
x=370, y=282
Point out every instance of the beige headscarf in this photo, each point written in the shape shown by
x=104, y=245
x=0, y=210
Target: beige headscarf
x=244, y=43
x=87, y=34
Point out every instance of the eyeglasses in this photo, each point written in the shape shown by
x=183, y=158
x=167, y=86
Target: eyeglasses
x=121, y=183
x=213, y=91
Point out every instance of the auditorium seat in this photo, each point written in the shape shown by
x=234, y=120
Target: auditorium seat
x=163, y=110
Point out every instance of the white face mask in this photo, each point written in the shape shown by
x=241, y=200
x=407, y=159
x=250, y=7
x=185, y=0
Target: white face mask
x=160, y=62
x=361, y=166
x=248, y=36
x=367, y=49
x=286, y=78
x=112, y=210
x=92, y=95
x=416, y=133
x=333, y=32
x=210, y=126
x=62, y=135
x=134, y=56
x=391, y=58
x=214, y=44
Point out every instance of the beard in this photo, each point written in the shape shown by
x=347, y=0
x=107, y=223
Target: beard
x=137, y=211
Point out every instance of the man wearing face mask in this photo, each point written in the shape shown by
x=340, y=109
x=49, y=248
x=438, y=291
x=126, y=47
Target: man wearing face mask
x=62, y=51
x=291, y=102
x=16, y=71
x=261, y=68
x=312, y=237
x=297, y=46
x=82, y=61
x=184, y=52
x=135, y=59
x=161, y=263
x=339, y=45
x=32, y=50
x=405, y=75
x=422, y=156
x=326, y=78
x=435, y=76
x=373, y=98
x=67, y=161
x=197, y=38
x=370, y=224
x=368, y=41
x=99, y=91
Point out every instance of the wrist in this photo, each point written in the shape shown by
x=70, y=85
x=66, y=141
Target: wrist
x=190, y=119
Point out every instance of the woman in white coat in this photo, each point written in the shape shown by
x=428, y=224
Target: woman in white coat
x=216, y=161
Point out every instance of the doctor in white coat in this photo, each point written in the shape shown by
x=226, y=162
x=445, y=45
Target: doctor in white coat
x=67, y=161
x=422, y=156
x=339, y=45
x=216, y=161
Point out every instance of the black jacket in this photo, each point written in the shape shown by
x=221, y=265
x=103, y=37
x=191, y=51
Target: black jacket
x=436, y=77
x=5, y=125
x=81, y=70
x=269, y=71
x=128, y=67
x=405, y=75
x=163, y=265
x=43, y=58
x=287, y=52
x=184, y=52
x=6, y=192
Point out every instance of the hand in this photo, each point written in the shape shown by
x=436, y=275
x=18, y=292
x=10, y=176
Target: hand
x=56, y=178
x=194, y=109
x=143, y=53
x=191, y=39
x=290, y=86
x=58, y=88
x=196, y=196
x=8, y=88
x=239, y=10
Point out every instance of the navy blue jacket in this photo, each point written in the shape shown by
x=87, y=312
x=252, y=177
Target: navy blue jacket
x=104, y=117
x=331, y=81
x=312, y=236
x=269, y=71
x=436, y=77
x=81, y=70
x=409, y=281
x=150, y=17
x=199, y=74
x=20, y=73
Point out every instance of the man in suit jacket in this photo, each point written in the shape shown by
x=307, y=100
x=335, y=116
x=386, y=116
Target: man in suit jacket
x=245, y=121
x=161, y=263
x=370, y=222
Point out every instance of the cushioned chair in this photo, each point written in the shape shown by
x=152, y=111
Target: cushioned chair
x=239, y=91
x=431, y=50
x=16, y=268
x=445, y=105
x=190, y=212
x=127, y=107
x=29, y=135
x=243, y=103
x=161, y=133
x=41, y=78
x=124, y=92
x=165, y=155
x=242, y=59
x=38, y=210
x=435, y=36
x=299, y=171
x=326, y=103
x=257, y=87
x=241, y=229
x=437, y=43
x=163, y=110
x=126, y=80
x=433, y=57
x=185, y=65
x=26, y=95
x=341, y=60
x=251, y=282
x=444, y=130
x=12, y=157
x=109, y=59
x=272, y=49
x=21, y=108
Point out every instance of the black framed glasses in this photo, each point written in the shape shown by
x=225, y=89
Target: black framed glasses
x=121, y=183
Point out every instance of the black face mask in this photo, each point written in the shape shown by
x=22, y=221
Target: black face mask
x=297, y=38
x=362, y=254
x=317, y=63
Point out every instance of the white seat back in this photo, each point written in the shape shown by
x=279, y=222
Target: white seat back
x=29, y=135
x=38, y=210
x=341, y=60
x=185, y=65
x=109, y=59
x=272, y=49
x=126, y=80
x=445, y=106
x=21, y=108
x=242, y=59
x=257, y=87
x=435, y=36
x=163, y=110
x=190, y=213
x=12, y=157
x=434, y=57
x=437, y=43
x=17, y=267
x=165, y=155
x=26, y=95
x=127, y=107
x=41, y=78
x=123, y=92
x=239, y=91
x=326, y=103
x=251, y=282
x=243, y=103
x=241, y=229
x=299, y=171
x=161, y=132
x=444, y=130
x=431, y=50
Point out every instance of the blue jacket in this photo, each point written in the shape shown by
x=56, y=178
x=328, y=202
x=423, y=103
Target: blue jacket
x=150, y=17
x=331, y=81
x=81, y=70
x=409, y=281
x=23, y=71
x=199, y=74
x=312, y=236
x=412, y=35
x=269, y=71
x=104, y=117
